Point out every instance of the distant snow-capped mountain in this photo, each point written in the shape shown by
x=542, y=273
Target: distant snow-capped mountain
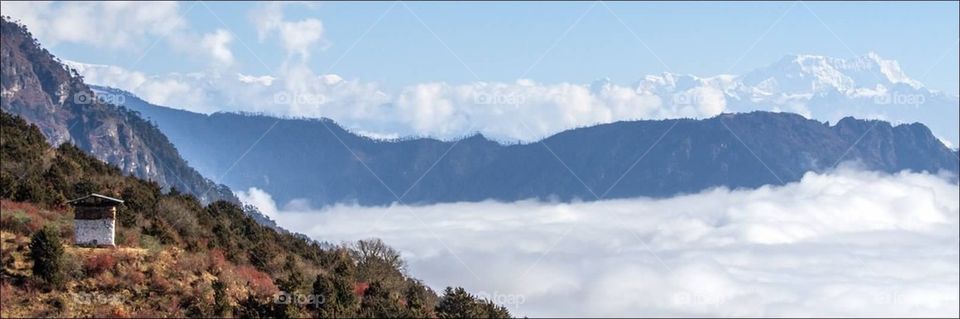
x=817, y=87
x=824, y=88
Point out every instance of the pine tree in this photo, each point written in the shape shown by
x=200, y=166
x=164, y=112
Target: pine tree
x=458, y=303
x=325, y=297
x=46, y=251
x=221, y=306
x=418, y=300
x=378, y=302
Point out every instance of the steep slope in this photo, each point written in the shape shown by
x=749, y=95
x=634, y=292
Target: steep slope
x=36, y=86
x=324, y=163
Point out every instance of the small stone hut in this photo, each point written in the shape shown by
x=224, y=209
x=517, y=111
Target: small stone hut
x=95, y=220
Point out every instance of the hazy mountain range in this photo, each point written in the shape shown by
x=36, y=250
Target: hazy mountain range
x=324, y=163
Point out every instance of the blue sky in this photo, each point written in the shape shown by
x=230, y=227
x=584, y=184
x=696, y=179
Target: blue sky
x=517, y=70
x=500, y=41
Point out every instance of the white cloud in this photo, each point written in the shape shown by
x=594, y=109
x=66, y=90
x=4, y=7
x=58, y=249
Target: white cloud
x=117, y=25
x=264, y=80
x=108, y=75
x=847, y=243
x=259, y=199
x=108, y=24
x=524, y=110
x=217, y=44
x=297, y=37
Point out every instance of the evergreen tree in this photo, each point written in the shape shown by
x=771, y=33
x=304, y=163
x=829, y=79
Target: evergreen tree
x=419, y=299
x=344, y=274
x=458, y=303
x=378, y=302
x=46, y=251
x=221, y=306
x=325, y=297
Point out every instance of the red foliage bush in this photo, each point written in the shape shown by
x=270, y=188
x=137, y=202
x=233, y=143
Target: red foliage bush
x=21, y=218
x=131, y=238
x=159, y=284
x=259, y=282
x=99, y=263
x=360, y=288
x=135, y=278
x=217, y=260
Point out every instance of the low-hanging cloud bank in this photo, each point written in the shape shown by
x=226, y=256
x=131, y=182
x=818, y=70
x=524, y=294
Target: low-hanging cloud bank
x=846, y=243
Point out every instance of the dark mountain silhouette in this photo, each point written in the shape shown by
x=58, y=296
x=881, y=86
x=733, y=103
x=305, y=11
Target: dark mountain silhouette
x=325, y=163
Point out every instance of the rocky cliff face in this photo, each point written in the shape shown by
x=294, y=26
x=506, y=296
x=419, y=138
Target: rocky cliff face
x=39, y=88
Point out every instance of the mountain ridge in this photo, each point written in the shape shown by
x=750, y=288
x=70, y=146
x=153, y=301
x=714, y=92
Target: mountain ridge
x=694, y=155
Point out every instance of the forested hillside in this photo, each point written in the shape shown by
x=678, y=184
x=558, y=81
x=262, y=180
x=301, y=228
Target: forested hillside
x=176, y=257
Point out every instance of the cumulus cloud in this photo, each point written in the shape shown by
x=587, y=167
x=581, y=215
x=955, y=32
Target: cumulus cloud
x=522, y=110
x=105, y=24
x=846, y=243
x=297, y=37
x=119, y=25
x=217, y=44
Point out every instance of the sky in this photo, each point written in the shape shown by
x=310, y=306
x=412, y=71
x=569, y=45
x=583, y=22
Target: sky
x=402, y=43
x=841, y=243
x=517, y=71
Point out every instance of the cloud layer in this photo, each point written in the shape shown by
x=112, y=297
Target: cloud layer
x=526, y=110
x=508, y=111
x=847, y=243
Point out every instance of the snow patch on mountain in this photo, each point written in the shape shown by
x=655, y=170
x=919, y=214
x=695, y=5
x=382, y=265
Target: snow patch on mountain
x=819, y=87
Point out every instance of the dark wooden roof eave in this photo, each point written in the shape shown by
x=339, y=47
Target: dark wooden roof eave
x=94, y=195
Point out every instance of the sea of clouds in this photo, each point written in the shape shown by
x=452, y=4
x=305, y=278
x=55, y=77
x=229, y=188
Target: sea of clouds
x=845, y=243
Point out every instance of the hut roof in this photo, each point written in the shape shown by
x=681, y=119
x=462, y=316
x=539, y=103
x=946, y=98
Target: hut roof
x=95, y=198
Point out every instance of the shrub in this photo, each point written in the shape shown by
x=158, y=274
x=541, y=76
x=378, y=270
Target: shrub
x=458, y=303
x=135, y=278
x=159, y=285
x=17, y=222
x=191, y=263
x=259, y=283
x=72, y=267
x=46, y=252
x=129, y=238
x=221, y=305
x=99, y=263
x=217, y=260
x=150, y=243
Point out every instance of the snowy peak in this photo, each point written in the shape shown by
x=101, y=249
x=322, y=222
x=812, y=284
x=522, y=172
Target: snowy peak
x=671, y=82
x=891, y=70
x=798, y=74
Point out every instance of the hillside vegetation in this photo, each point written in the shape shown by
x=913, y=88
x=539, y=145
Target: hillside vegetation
x=176, y=257
x=39, y=88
